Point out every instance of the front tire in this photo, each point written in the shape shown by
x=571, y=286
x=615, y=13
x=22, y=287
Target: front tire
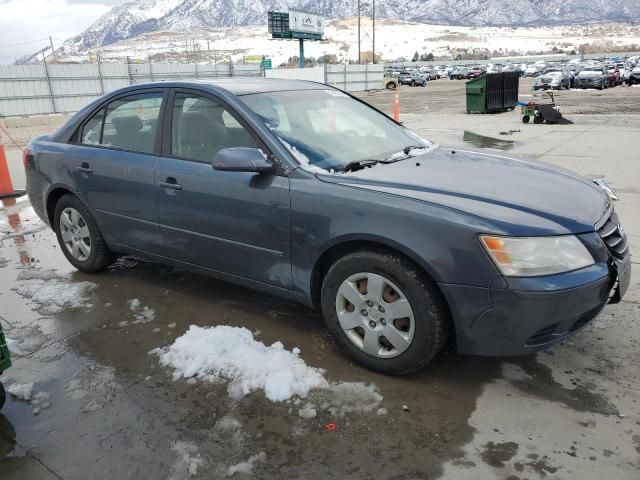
x=79, y=236
x=406, y=319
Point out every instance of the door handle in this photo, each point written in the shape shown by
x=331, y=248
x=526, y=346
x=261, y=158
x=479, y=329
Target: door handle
x=170, y=185
x=84, y=168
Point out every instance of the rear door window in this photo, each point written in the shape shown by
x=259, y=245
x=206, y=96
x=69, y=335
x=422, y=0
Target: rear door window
x=128, y=123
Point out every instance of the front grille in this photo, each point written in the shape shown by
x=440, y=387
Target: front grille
x=614, y=236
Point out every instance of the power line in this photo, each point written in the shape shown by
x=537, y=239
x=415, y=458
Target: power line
x=24, y=43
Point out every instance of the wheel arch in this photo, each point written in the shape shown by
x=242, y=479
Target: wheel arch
x=348, y=244
x=53, y=196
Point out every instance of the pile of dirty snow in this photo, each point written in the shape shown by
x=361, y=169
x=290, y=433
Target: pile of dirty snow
x=53, y=292
x=94, y=385
x=188, y=461
x=141, y=314
x=24, y=391
x=231, y=353
x=247, y=467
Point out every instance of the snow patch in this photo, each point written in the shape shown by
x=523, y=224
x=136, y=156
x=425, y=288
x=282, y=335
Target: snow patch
x=215, y=354
x=247, y=467
x=227, y=423
x=21, y=391
x=231, y=353
x=95, y=385
x=24, y=392
x=302, y=159
x=142, y=314
x=188, y=462
x=308, y=411
x=52, y=292
x=25, y=340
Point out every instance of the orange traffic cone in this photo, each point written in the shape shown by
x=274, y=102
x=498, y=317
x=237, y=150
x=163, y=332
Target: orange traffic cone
x=396, y=107
x=6, y=187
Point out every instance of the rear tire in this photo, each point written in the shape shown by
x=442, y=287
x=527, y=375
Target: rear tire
x=90, y=253
x=3, y=396
x=414, y=339
x=526, y=119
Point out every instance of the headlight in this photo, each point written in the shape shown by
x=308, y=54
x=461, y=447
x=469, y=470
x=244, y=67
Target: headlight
x=535, y=256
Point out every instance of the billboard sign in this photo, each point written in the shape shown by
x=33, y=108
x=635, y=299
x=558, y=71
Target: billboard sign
x=253, y=58
x=306, y=23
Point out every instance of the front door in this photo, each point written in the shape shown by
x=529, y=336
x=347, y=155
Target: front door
x=232, y=222
x=113, y=164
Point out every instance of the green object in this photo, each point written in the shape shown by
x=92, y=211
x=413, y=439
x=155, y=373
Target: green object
x=495, y=92
x=476, y=95
x=266, y=64
x=5, y=357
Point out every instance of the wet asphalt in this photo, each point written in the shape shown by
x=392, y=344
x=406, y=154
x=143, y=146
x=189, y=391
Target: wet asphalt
x=570, y=412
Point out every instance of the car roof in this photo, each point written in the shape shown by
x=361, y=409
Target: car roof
x=240, y=86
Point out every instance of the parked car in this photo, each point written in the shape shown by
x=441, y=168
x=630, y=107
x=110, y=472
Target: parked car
x=302, y=191
x=475, y=72
x=622, y=68
x=531, y=71
x=412, y=78
x=592, y=77
x=613, y=75
x=431, y=73
x=459, y=73
x=634, y=77
x=552, y=79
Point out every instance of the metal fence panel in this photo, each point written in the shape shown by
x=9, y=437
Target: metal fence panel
x=355, y=78
x=61, y=88
x=314, y=74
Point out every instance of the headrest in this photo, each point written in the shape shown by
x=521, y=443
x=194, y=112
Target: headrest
x=127, y=124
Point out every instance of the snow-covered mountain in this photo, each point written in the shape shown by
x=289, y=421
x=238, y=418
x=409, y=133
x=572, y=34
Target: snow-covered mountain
x=144, y=16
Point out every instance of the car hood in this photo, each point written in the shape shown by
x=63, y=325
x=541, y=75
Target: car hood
x=519, y=197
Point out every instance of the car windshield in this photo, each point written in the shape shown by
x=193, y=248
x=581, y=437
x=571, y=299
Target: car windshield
x=330, y=130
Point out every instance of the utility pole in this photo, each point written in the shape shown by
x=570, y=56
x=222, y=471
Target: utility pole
x=373, y=18
x=53, y=50
x=359, y=38
x=208, y=52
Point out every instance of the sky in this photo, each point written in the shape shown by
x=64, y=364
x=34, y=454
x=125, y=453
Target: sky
x=25, y=25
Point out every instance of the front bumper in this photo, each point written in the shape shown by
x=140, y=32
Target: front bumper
x=589, y=83
x=533, y=314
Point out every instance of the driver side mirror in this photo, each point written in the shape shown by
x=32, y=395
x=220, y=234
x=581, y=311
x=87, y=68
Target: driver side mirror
x=241, y=159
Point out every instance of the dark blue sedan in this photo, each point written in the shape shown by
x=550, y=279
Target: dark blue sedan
x=300, y=190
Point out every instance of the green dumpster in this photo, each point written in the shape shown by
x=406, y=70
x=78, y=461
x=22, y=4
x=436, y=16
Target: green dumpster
x=476, y=95
x=5, y=363
x=495, y=92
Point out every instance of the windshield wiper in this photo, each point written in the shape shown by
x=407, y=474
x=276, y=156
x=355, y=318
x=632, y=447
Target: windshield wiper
x=396, y=157
x=361, y=164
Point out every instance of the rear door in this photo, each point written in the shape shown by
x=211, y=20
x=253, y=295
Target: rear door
x=114, y=167
x=232, y=222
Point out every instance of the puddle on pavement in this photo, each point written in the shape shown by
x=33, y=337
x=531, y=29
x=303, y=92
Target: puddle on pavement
x=581, y=398
x=487, y=142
